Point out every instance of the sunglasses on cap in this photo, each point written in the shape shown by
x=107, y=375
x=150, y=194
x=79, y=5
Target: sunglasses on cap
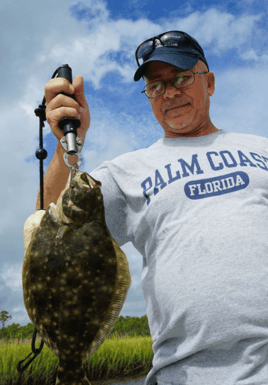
x=167, y=39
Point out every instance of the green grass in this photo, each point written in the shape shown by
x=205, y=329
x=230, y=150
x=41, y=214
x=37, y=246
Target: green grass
x=117, y=356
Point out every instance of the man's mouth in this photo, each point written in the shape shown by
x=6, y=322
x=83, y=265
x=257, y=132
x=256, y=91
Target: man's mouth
x=184, y=105
x=175, y=107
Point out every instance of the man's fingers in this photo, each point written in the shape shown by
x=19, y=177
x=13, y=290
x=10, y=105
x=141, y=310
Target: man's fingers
x=62, y=112
x=56, y=86
x=60, y=106
x=62, y=100
x=55, y=115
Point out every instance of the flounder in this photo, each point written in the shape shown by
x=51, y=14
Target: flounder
x=75, y=277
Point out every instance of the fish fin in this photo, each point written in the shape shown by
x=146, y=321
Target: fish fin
x=30, y=226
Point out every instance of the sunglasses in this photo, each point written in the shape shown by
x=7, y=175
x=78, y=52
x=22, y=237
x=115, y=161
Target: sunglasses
x=167, y=39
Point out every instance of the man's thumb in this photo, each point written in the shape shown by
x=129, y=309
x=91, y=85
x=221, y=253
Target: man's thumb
x=79, y=93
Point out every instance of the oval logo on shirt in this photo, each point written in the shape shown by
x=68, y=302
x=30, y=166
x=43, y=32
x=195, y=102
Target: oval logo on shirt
x=219, y=185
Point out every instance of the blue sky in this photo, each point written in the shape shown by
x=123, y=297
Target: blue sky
x=98, y=40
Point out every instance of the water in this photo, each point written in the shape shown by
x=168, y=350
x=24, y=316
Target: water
x=133, y=382
x=140, y=380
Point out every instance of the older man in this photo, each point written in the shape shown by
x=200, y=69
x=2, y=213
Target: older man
x=195, y=205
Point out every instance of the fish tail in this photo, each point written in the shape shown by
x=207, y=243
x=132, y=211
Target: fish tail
x=72, y=381
x=71, y=377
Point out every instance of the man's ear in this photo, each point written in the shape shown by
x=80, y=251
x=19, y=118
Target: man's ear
x=211, y=83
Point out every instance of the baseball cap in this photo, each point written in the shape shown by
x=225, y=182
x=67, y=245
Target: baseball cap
x=173, y=47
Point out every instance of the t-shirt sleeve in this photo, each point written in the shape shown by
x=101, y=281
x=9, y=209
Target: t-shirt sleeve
x=115, y=206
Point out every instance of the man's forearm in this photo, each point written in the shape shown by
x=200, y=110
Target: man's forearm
x=55, y=178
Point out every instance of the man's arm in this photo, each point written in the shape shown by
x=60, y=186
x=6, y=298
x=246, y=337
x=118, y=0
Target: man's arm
x=59, y=106
x=55, y=178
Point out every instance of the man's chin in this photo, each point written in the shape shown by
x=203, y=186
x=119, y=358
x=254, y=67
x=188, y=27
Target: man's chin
x=180, y=123
x=178, y=126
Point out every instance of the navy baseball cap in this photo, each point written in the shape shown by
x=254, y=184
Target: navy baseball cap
x=174, y=47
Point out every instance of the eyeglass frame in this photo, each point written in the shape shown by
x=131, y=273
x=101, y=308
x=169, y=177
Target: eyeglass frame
x=158, y=37
x=171, y=81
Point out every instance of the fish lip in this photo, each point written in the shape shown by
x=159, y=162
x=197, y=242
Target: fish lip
x=90, y=186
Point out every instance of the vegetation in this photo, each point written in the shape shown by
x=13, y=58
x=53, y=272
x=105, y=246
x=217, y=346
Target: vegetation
x=126, y=353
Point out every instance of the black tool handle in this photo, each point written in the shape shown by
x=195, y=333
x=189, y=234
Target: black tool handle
x=65, y=72
x=69, y=125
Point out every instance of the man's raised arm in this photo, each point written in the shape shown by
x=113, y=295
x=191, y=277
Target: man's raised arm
x=59, y=106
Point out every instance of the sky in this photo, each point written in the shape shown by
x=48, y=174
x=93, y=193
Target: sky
x=98, y=40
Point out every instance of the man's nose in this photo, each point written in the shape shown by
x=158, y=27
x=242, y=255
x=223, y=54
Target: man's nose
x=171, y=90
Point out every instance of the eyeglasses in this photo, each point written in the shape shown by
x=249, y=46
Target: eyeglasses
x=167, y=39
x=157, y=88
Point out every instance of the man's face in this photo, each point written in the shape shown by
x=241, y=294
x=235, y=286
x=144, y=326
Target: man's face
x=184, y=111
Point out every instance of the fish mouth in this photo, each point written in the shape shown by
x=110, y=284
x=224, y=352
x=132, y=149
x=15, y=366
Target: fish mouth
x=87, y=182
x=92, y=185
x=88, y=187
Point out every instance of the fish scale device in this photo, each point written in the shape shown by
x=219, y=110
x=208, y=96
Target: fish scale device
x=75, y=277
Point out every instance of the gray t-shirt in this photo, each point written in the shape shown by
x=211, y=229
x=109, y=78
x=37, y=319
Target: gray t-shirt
x=196, y=209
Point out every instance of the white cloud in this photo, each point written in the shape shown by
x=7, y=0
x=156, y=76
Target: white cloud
x=251, y=55
x=242, y=92
x=217, y=31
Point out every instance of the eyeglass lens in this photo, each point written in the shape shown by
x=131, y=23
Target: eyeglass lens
x=172, y=38
x=157, y=88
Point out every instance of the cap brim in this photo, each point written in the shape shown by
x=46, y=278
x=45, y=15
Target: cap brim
x=169, y=55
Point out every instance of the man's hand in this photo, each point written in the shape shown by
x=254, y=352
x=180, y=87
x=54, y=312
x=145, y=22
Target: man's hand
x=60, y=106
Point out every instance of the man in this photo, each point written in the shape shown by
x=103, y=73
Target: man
x=195, y=205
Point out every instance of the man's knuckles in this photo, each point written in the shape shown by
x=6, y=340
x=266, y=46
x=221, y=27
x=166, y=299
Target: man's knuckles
x=56, y=114
x=57, y=86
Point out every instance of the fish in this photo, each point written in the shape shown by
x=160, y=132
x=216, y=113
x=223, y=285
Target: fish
x=75, y=277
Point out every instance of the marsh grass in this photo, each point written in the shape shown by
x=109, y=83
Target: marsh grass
x=119, y=357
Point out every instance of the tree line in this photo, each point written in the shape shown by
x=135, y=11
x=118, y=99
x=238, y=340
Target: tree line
x=132, y=326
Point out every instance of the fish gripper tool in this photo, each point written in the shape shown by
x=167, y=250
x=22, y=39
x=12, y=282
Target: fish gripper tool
x=79, y=144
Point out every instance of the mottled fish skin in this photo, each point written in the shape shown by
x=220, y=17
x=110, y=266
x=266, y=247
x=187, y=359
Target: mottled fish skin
x=75, y=277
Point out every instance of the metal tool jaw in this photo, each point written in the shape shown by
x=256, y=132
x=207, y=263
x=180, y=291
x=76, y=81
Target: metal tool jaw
x=79, y=144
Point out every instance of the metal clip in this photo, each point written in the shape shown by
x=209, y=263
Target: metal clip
x=63, y=142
